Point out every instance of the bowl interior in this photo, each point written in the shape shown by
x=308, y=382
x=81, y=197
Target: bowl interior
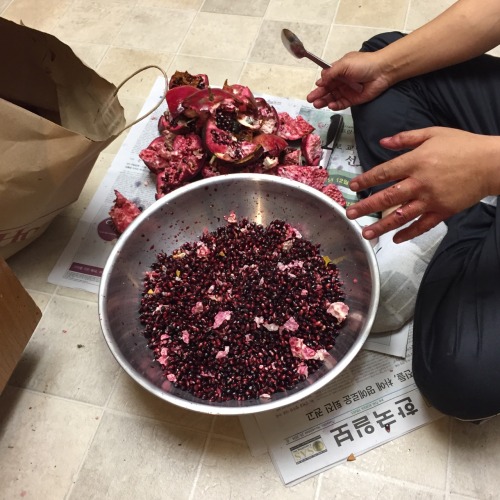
x=181, y=217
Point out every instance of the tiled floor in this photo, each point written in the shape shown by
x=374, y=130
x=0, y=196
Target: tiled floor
x=72, y=423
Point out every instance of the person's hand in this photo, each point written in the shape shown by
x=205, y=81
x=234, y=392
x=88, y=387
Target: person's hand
x=356, y=78
x=446, y=171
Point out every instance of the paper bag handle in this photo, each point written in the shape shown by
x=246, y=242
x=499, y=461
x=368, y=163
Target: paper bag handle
x=151, y=110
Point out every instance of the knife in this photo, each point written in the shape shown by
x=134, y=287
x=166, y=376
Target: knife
x=332, y=137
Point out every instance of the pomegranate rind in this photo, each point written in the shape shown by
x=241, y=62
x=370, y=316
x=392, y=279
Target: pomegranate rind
x=179, y=125
x=180, y=78
x=272, y=144
x=123, y=212
x=244, y=94
x=332, y=191
x=207, y=101
x=156, y=155
x=175, y=98
x=228, y=148
x=267, y=115
x=291, y=156
x=311, y=149
x=293, y=129
x=310, y=175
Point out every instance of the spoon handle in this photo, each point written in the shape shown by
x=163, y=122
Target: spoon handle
x=317, y=60
x=358, y=87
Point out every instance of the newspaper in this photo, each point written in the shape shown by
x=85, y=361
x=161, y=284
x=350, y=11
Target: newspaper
x=374, y=400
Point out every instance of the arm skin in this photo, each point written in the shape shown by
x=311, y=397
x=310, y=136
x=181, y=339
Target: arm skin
x=446, y=170
x=467, y=29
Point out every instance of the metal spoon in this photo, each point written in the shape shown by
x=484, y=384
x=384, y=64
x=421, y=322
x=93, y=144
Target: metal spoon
x=293, y=44
x=296, y=48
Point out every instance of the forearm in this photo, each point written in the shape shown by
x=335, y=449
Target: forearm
x=491, y=171
x=467, y=29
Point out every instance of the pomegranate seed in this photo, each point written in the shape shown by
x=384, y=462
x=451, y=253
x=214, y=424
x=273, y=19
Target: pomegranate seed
x=242, y=313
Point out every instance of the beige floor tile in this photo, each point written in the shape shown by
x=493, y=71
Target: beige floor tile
x=217, y=70
x=344, y=39
x=33, y=272
x=43, y=442
x=282, y=81
x=3, y=5
x=402, y=459
x=221, y=36
x=387, y=14
x=90, y=53
x=495, y=52
x=422, y=11
x=229, y=471
x=75, y=293
x=42, y=16
x=157, y=29
x=92, y=22
x=172, y=4
x=346, y=482
x=254, y=8
x=132, y=459
x=67, y=355
x=120, y=63
x=474, y=458
x=229, y=427
x=318, y=12
x=41, y=299
x=269, y=48
x=130, y=397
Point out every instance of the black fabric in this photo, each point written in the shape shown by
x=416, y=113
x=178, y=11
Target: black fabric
x=456, y=338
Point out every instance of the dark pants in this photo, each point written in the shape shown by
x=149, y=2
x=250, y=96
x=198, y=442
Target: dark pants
x=456, y=336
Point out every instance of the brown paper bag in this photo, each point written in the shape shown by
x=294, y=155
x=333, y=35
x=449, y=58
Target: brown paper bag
x=56, y=116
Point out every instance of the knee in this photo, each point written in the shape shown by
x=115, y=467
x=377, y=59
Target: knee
x=380, y=41
x=458, y=389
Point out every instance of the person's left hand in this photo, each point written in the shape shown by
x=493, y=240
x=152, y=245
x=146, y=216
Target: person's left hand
x=446, y=171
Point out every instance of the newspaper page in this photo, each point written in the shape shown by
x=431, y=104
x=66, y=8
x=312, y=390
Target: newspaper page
x=373, y=401
x=393, y=343
x=82, y=262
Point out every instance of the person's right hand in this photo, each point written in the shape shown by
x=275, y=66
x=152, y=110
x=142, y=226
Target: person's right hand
x=356, y=78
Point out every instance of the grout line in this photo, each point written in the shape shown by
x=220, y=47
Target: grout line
x=85, y=454
x=447, y=475
x=408, y=8
x=200, y=462
x=330, y=29
x=317, y=493
x=409, y=486
x=177, y=52
x=252, y=46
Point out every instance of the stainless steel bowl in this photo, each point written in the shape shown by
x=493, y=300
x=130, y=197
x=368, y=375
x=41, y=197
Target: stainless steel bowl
x=181, y=217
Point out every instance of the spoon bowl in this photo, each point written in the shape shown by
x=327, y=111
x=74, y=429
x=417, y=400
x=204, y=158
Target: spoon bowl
x=293, y=44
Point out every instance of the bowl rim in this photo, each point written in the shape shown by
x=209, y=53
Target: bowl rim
x=263, y=405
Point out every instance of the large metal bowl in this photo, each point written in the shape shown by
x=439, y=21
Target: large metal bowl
x=180, y=217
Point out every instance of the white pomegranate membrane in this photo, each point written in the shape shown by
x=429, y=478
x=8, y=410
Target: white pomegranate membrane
x=244, y=312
